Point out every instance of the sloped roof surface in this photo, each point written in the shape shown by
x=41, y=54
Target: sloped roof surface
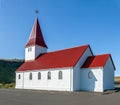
x=36, y=37
x=57, y=59
x=96, y=61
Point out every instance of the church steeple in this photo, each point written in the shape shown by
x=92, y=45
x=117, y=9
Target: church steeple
x=36, y=44
x=36, y=37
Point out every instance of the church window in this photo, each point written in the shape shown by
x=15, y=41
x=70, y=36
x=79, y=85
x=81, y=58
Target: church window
x=49, y=75
x=39, y=76
x=19, y=76
x=60, y=75
x=30, y=76
x=29, y=49
x=90, y=74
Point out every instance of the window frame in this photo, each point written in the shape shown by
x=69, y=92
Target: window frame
x=29, y=49
x=90, y=75
x=30, y=76
x=39, y=75
x=60, y=75
x=19, y=76
x=49, y=75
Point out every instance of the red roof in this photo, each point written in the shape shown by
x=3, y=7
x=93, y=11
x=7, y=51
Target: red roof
x=97, y=61
x=36, y=37
x=57, y=59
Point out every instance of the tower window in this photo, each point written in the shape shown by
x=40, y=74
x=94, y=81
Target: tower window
x=29, y=49
x=49, y=75
x=30, y=76
x=60, y=75
x=90, y=74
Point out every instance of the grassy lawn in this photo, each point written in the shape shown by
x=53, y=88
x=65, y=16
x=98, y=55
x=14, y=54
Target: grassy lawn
x=11, y=85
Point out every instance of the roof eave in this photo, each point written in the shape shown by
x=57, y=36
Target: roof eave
x=49, y=69
x=93, y=68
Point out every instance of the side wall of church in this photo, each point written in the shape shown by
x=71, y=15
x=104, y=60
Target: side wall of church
x=92, y=79
x=32, y=52
x=108, y=75
x=77, y=70
x=44, y=83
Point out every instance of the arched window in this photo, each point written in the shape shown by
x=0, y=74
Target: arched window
x=19, y=76
x=49, y=75
x=90, y=74
x=29, y=49
x=60, y=75
x=39, y=76
x=30, y=76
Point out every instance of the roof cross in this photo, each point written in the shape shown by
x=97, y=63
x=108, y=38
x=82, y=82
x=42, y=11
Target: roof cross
x=36, y=11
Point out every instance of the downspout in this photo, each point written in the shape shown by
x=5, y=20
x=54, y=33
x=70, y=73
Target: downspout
x=15, y=79
x=23, y=81
x=71, y=80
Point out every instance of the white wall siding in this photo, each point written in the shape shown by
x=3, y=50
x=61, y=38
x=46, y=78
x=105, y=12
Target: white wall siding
x=108, y=75
x=30, y=55
x=45, y=84
x=35, y=52
x=95, y=83
x=19, y=82
x=76, y=72
x=39, y=50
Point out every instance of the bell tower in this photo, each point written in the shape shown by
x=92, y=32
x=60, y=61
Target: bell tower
x=35, y=44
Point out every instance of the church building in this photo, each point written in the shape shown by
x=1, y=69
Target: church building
x=72, y=69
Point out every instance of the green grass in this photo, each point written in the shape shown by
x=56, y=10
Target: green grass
x=11, y=85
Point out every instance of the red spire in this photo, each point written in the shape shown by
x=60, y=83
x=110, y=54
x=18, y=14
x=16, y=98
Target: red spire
x=36, y=37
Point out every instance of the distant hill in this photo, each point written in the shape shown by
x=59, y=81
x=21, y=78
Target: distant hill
x=8, y=68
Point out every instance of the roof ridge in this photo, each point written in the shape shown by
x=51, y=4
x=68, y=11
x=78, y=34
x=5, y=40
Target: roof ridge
x=68, y=48
x=100, y=55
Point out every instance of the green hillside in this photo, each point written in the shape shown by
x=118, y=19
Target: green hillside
x=7, y=70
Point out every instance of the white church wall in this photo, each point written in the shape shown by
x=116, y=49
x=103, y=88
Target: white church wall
x=32, y=52
x=19, y=81
x=108, y=75
x=76, y=72
x=39, y=50
x=92, y=79
x=45, y=84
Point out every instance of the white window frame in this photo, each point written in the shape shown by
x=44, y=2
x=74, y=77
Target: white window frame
x=60, y=75
x=30, y=76
x=49, y=75
x=39, y=75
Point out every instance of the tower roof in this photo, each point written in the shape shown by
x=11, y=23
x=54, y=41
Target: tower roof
x=36, y=37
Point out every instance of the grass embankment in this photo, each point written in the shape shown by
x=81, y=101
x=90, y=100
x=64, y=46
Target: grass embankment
x=11, y=85
x=117, y=80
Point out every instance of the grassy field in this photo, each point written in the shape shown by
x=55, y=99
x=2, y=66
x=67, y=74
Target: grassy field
x=11, y=85
x=117, y=80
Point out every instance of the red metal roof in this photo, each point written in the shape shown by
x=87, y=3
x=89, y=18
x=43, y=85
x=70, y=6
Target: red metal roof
x=97, y=61
x=36, y=37
x=57, y=59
